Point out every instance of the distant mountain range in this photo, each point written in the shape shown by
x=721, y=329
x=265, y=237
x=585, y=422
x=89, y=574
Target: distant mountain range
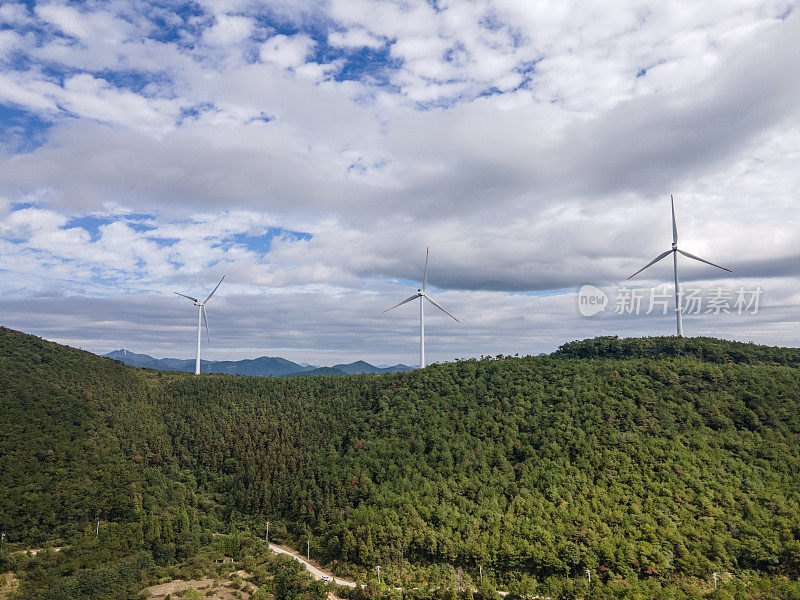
x=264, y=366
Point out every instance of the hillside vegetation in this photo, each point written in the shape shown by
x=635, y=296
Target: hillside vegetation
x=652, y=463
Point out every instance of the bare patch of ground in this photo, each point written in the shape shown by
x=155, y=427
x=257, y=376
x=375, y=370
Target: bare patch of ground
x=35, y=551
x=8, y=585
x=207, y=588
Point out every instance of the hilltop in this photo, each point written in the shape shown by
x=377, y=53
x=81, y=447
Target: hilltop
x=653, y=463
x=704, y=349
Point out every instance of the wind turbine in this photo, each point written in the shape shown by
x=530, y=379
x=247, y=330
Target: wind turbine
x=422, y=295
x=201, y=314
x=674, y=251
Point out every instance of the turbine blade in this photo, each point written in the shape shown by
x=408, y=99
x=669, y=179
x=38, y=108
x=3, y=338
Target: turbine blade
x=703, y=260
x=652, y=262
x=214, y=290
x=205, y=320
x=439, y=307
x=185, y=296
x=409, y=299
x=425, y=278
x=674, y=226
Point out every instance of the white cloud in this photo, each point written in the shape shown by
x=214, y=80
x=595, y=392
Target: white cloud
x=9, y=41
x=88, y=26
x=14, y=14
x=96, y=99
x=28, y=92
x=228, y=30
x=355, y=38
x=67, y=19
x=287, y=51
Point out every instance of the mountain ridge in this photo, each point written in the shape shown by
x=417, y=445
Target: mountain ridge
x=263, y=366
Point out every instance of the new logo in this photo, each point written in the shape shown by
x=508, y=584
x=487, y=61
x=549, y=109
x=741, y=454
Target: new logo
x=591, y=300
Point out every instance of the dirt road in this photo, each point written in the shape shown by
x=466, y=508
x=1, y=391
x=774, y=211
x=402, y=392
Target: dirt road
x=319, y=573
x=315, y=571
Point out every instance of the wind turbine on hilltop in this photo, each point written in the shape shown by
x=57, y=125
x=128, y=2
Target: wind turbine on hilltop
x=201, y=314
x=422, y=295
x=674, y=251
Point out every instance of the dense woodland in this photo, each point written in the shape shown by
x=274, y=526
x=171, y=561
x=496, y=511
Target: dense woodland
x=651, y=462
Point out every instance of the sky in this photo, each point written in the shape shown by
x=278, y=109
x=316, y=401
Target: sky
x=311, y=152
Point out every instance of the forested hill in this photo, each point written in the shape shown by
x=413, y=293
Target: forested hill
x=534, y=468
x=704, y=349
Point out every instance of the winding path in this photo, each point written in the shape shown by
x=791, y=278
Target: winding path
x=315, y=571
x=319, y=573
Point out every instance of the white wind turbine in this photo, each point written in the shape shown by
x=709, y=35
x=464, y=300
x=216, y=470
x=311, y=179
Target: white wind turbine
x=422, y=295
x=201, y=314
x=674, y=251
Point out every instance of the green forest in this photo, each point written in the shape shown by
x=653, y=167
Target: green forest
x=651, y=463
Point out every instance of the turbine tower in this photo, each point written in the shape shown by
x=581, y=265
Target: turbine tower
x=201, y=314
x=674, y=251
x=422, y=295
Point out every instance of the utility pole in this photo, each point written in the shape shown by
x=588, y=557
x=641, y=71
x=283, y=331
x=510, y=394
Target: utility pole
x=266, y=537
x=480, y=571
x=97, y=531
x=716, y=575
x=308, y=549
x=379, y=573
x=589, y=575
x=2, y=541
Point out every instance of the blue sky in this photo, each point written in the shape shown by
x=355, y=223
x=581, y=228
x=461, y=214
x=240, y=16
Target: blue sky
x=312, y=152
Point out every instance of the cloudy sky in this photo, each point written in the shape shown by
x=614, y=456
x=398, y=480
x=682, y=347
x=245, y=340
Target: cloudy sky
x=311, y=151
